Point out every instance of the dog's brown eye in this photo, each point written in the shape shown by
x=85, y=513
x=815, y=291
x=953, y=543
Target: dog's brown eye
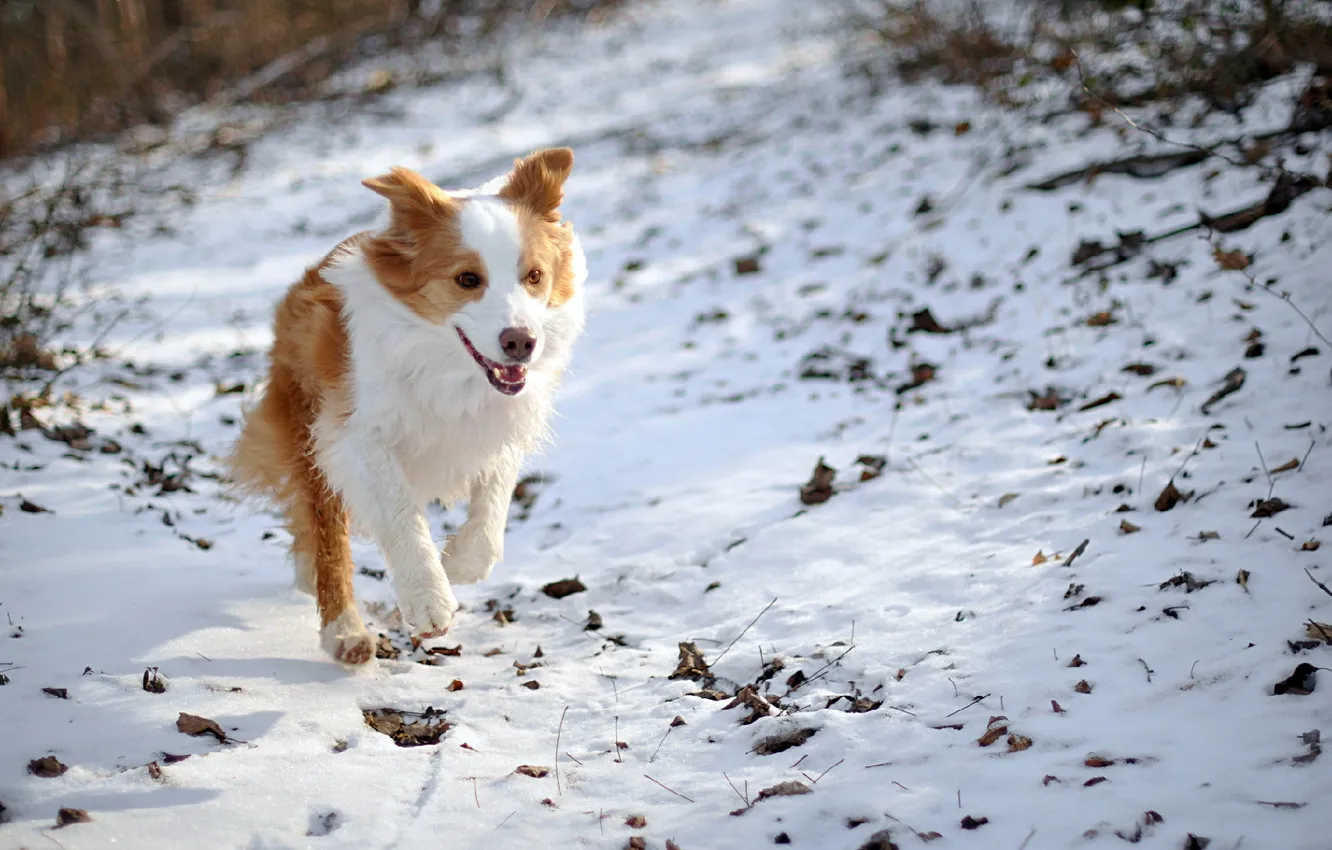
x=534, y=276
x=469, y=280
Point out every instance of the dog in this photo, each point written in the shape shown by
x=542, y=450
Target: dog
x=413, y=364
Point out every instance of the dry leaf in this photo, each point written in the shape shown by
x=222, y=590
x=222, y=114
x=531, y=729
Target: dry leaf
x=1083, y=687
x=819, y=488
x=790, y=788
x=1006, y=498
x=1318, y=631
x=969, y=822
x=1242, y=579
x=1269, y=507
x=532, y=770
x=1310, y=546
x=193, y=724
x=1103, y=400
x=1101, y=319
x=47, y=767
x=1057, y=708
x=563, y=587
x=1039, y=559
x=1095, y=780
x=65, y=817
x=1175, y=383
x=1098, y=761
x=1051, y=400
x=1231, y=261
x=635, y=821
x=455, y=685
x=1293, y=463
x=1234, y=380
x=1170, y=497
x=532, y=685
x=996, y=730
x=1128, y=527
x=1208, y=535
x=1077, y=661
x=1018, y=743
x=692, y=665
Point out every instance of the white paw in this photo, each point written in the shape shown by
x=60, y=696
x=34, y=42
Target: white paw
x=467, y=561
x=427, y=610
x=347, y=640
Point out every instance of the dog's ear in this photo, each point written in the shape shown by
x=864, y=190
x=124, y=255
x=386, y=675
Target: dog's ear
x=537, y=181
x=414, y=202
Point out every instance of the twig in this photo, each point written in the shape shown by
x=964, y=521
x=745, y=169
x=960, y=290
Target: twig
x=798, y=761
x=1195, y=664
x=1317, y=582
x=1149, y=670
x=1252, y=530
x=673, y=791
x=974, y=700
x=559, y=789
x=1142, y=470
x=616, y=743
x=1321, y=629
x=1082, y=80
x=1027, y=840
x=742, y=633
x=1082, y=547
x=475, y=795
x=959, y=798
x=954, y=684
x=903, y=710
x=506, y=820
x=825, y=773
x=900, y=785
x=744, y=798
x=1300, y=468
x=821, y=672
x=659, y=743
x=1262, y=461
x=1284, y=533
x=569, y=756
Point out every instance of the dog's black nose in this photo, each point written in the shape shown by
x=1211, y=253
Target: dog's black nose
x=517, y=343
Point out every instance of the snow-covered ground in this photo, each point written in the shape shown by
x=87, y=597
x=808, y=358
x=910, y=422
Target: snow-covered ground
x=897, y=622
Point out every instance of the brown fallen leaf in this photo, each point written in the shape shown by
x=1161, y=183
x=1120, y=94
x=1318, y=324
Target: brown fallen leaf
x=1234, y=380
x=408, y=728
x=1006, y=498
x=33, y=508
x=455, y=685
x=1293, y=463
x=1301, y=682
x=1094, y=760
x=1310, y=546
x=637, y=842
x=1101, y=319
x=783, y=741
x=532, y=685
x=66, y=817
x=921, y=374
x=635, y=821
x=1049, y=778
x=789, y=788
x=970, y=822
x=923, y=320
x=58, y=693
x=1018, y=743
x=1318, y=631
x=1242, y=579
x=1083, y=687
x=1038, y=559
x=563, y=587
x=671, y=845
x=153, y=682
x=819, y=488
x=997, y=728
x=1100, y=402
x=1142, y=369
x=1170, y=497
x=1208, y=535
x=1175, y=383
x=1269, y=507
x=1057, y=708
x=1077, y=661
x=1050, y=400
x=1128, y=527
x=154, y=770
x=1231, y=261
x=691, y=665
x=1095, y=780
x=532, y=770
x=193, y=724
x=47, y=767
x=746, y=265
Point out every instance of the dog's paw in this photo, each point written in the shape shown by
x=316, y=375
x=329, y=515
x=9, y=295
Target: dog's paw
x=467, y=561
x=346, y=639
x=428, y=611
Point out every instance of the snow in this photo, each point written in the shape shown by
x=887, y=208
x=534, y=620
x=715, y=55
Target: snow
x=705, y=132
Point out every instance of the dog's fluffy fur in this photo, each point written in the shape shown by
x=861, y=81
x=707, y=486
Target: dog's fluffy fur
x=390, y=385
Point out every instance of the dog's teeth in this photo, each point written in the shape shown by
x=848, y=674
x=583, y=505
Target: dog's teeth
x=498, y=373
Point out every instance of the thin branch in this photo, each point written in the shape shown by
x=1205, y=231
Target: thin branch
x=744, y=798
x=974, y=700
x=1271, y=485
x=825, y=773
x=1317, y=582
x=673, y=791
x=1307, y=451
x=558, y=732
x=742, y=633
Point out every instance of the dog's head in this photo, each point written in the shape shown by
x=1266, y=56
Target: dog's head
x=495, y=265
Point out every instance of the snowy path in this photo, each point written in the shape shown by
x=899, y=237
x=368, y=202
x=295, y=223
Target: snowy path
x=708, y=132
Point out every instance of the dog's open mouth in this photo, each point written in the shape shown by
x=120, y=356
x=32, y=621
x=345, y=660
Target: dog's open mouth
x=509, y=380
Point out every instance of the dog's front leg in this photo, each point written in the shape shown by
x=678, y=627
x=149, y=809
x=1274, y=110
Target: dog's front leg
x=379, y=497
x=471, y=553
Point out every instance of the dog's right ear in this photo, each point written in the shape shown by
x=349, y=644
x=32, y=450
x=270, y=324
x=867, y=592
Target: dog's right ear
x=414, y=202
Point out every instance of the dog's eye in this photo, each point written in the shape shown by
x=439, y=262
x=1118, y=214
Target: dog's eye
x=468, y=280
x=534, y=277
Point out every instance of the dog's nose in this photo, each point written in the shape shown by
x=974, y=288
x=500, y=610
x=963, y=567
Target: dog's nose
x=517, y=343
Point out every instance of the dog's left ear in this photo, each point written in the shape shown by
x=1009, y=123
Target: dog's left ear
x=537, y=181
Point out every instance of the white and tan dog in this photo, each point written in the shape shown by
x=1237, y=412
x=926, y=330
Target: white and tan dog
x=414, y=364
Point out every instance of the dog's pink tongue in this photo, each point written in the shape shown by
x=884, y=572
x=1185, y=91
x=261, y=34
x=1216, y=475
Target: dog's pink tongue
x=512, y=374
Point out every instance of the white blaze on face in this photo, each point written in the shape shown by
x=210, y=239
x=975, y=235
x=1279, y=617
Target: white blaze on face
x=491, y=229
